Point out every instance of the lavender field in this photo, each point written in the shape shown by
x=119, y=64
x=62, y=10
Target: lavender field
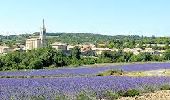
x=77, y=80
x=83, y=71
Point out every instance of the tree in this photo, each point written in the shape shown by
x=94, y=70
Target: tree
x=75, y=53
x=167, y=54
x=89, y=60
x=60, y=59
x=145, y=56
x=36, y=64
x=25, y=63
x=1, y=64
x=127, y=56
x=135, y=58
x=157, y=58
x=47, y=57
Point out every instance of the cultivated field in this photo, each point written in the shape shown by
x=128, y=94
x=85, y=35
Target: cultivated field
x=92, y=83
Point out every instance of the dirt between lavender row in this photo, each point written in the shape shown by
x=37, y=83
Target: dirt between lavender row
x=159, y=95
x=162, y=72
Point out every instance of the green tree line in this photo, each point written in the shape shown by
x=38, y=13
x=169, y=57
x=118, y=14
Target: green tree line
x=49, y=57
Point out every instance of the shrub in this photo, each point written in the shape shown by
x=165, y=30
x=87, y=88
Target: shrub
x=61, y=97
x=165, y=87
x=131, y=93
x=116, y=72
x=38, y=97
x=111, y=95
x=82, y=96
x=121, y=93
x=100, y=74
x=111, y=72
x=149, y=89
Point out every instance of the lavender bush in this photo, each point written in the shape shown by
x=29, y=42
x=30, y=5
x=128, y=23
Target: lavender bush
x=87, y=71
x=49, y=88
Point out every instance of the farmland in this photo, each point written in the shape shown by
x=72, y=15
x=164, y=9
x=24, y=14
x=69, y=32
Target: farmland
x=71, y=83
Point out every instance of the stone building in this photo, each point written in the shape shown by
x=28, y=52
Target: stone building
x=4, y=49
x=59, y=46
x=34, y=43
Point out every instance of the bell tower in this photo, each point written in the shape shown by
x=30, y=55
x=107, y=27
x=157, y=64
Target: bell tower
x=43, y=35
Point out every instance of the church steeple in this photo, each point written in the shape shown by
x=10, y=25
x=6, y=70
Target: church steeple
x=43, y=24
x=44, y=29
x=43, y=35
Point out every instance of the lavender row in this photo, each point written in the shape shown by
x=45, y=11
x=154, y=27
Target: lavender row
x=145, y=67
x=87, y=70
x=49, y=88
x=58, y=72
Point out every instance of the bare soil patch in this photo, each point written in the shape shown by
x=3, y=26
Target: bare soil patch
x=161, y=72
x=159, y=95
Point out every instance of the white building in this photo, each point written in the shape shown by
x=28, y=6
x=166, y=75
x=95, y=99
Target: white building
x=135, y=51
x=70, y=47
x=59, y=46
x=4, y=49
x=99, y=51
x=34, y=43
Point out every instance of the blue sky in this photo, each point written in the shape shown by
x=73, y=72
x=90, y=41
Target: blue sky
x=111, y=17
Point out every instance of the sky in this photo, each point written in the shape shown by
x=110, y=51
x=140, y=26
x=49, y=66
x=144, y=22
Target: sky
x=109, y=17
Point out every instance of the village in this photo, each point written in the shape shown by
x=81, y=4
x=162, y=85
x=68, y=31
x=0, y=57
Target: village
x=41, y=41
x=34, y=43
